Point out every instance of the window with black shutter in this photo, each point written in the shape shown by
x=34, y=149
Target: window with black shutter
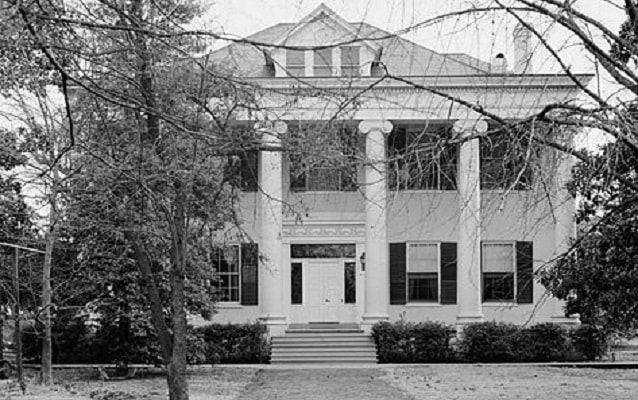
x=423, y=272
x=448, y=272
x=507, y=269
x=397, y=273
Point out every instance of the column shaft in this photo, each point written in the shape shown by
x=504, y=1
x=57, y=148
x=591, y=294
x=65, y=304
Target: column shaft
x=469, y=247
x=270, y=227
x=377, y=272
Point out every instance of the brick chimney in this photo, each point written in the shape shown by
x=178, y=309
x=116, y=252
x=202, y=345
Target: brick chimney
x=522, y=50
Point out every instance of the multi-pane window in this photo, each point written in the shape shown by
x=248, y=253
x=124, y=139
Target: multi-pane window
x=421, y=160
x=498, y=271
x=504, y=162
x=296, y=62
x=324, y=177
x=423, y=272
x=331, y=167
x=226, y=267
x=350, y=61
x=323, y=62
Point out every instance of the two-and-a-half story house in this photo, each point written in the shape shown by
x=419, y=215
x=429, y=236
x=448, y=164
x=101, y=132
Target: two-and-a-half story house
x=454, y=235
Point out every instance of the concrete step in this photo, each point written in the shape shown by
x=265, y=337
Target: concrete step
x=334, y=345
x=357, y=336
x=331, y=360
x=324, y=350
x=305, y=346
x=323, y=331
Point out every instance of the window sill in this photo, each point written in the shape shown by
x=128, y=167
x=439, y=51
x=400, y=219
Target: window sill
x=437, y=191
x=501, y=191
x=424, y=304
x=298, y=191
x=500, y=304
x=228, y=305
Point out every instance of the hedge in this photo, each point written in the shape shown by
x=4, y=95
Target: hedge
x=405, y=342
x=73, y=343
x=229, y=344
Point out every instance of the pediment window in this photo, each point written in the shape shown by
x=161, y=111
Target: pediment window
x=350, y=61
x=295, y=62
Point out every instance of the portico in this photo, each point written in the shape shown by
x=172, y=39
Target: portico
x=431, y=220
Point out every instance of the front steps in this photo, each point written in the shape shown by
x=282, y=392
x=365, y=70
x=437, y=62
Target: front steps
x=310, y=344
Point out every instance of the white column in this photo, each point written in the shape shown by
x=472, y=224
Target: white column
x=469, y=235
x=270, y=226
x=375, y=185
x=564, y=209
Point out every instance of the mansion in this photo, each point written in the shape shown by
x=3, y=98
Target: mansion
x=435, y=217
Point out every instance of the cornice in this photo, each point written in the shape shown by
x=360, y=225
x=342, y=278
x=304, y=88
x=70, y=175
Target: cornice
x=506, y=82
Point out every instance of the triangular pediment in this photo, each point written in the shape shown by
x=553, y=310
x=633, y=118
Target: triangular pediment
x=324, y=27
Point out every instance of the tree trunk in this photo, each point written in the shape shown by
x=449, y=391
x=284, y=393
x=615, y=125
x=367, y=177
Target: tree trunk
x=46, y=370
x=147, y=281
x=176, y=371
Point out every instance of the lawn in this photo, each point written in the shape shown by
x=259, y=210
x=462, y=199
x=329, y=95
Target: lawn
x=431, y=382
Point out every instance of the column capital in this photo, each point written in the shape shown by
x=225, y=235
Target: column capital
x=369, y=125
x=279, y=126
x=470, y=126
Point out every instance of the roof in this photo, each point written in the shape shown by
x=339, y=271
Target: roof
x=400, y=56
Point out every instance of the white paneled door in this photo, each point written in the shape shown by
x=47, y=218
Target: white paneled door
x=325, y=291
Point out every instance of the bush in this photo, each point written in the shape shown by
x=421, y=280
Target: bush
x=588, y=342
x=541, y=343
x=229, y=344
x=406, y=342
x=489, y=342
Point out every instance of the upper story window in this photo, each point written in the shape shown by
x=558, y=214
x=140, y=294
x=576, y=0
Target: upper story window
x=322, y=176
x=350, y=60
x=323, y=62
x=295, y=62
x=331, y=165
x=504, y=162
x=421, y=160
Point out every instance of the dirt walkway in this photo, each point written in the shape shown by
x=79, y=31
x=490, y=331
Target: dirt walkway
x=322, y=384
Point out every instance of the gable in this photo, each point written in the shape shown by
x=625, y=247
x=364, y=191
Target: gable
x=401, y=57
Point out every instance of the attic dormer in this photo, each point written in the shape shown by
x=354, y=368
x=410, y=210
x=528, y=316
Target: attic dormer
x=321, y=45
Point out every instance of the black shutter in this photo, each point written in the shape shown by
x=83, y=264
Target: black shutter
x=524, y=272
x=448, y=273
x=249, y=274
x=397, y=273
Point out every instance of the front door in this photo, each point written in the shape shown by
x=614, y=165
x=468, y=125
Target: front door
x=324, y=288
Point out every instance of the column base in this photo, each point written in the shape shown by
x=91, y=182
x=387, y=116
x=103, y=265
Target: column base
x=276, y=324
x=563, y=320
x=464, y=320
x=368, y=320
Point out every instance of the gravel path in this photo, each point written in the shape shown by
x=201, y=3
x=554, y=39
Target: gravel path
x=324, y=384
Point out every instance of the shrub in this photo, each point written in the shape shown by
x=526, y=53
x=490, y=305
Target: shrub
x=229, y=343
x=588, y=341
x=405, y=342
x=541, y=343
x=489, y=342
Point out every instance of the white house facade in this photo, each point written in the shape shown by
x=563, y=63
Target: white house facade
x=457, y=241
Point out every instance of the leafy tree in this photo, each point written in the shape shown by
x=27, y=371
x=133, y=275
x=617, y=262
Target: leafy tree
x=599, y=276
